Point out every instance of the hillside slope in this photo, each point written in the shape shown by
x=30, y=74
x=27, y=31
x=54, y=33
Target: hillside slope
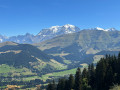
x=25, y=58
x=82, y=46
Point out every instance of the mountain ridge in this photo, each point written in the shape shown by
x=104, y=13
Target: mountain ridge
x=30, y=57
x=48, y=33
x=83, y=45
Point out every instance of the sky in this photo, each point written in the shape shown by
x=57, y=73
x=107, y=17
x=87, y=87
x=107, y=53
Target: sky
x=18, y=17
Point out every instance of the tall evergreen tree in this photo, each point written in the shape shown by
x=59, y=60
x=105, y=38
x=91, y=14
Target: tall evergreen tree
x=92, y=76
x=84, y=73
x=71, y=82
x=67, y=85
x=100, y=74
x=61, y=84
x=78, y=80
x=109, y=78
x=51, y=86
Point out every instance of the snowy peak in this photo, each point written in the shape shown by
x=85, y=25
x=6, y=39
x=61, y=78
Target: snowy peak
x=98, y=28
x=65, y=26
x=54, y=31
x=111, y=29
x=48, y=33
x=59, y=30
x=69, y=26
x=54, y=27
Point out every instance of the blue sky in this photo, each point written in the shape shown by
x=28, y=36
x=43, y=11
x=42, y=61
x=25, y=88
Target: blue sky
x=22, y=16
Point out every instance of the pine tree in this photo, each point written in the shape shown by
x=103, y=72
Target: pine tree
x=51, y=86
x=84, y=73
x=78, y=80
x=66, y=85
x=71, y=82
x=89, y=70
x=61, y=84
x=100, y=74
x=92, y=76
x=109, y=78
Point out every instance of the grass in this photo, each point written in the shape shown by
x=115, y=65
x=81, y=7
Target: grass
x=115, y=87
x=92, y=51
x=7, y=70
x=97, y=58
x=57, y=65
x=2, y=87
x=84, y=65
x=53, y=63
x=62, y=73
x=67, y=61
x=58, y=74
x=39, y=65
x=60, y=54
x=31, y=78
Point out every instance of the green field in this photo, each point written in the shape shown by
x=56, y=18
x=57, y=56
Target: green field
x=62, y=73
x=54, y=75
x=6, y=70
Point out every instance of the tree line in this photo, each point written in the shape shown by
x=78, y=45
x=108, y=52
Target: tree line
x=102, y=76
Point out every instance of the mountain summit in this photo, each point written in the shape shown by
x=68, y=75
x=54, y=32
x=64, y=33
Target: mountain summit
x=65, y=29
x=49, y=33
x=98, y=28
x=54, y=31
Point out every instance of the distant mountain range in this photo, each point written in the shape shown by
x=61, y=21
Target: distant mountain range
x=55, y=49
x=83, y=45
x=46, y=34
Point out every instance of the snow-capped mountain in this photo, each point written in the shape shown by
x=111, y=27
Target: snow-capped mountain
x=27, y=38
x=59, y=30
x=98, y=28
x=48, y=33
x=2, y=38
x=44, y=34
x=56, y=31
x=111, y=29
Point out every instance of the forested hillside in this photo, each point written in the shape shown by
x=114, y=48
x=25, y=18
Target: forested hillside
x=24, y=63
x=100, y=77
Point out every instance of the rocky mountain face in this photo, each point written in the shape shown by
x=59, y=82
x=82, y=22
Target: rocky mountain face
x=70, y=43
x=83, y=45
x=43, y=35
x=46, y=34
x=27, y=38
x=54, y=31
